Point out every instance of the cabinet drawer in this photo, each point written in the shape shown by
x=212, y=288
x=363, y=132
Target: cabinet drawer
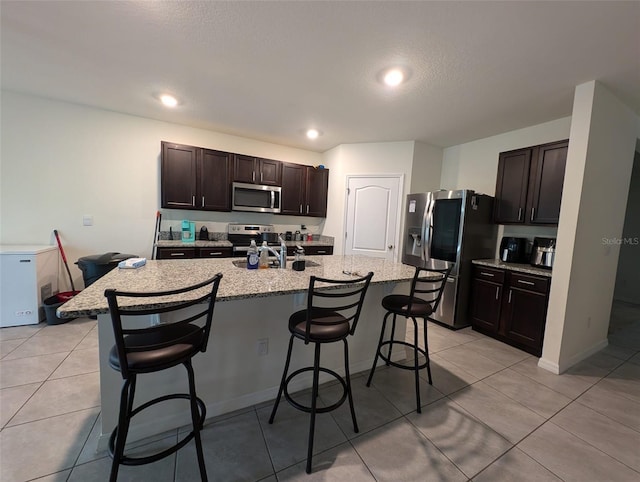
x=489, y=274
x=215, y=252
x=176, y=253
x=318, y=250
x=528, y=282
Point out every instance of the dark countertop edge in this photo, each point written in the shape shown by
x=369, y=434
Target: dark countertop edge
x=520, y=267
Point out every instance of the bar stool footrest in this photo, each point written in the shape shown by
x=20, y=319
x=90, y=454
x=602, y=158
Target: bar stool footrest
x=398, y=365
x=126, y=460
x=306, y=408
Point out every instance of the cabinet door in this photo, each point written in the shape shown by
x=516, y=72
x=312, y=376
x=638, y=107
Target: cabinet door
x=244, y=168
x=214, y=179
x=485, y=305
x=178, y=176
x=316, y=192
x=511, y=186
x=270, y=172
x=524, y=318
x=318, y=250
x=545, y=187
x=293, y=186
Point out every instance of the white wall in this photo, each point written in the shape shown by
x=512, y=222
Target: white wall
x=474, y=165
x=599, y=160
x=371, y=158
x=628, y=275
x=60, y=161
x=427, y=168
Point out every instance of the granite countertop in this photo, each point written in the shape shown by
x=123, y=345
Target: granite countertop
x=237, y=283
x=521, y=267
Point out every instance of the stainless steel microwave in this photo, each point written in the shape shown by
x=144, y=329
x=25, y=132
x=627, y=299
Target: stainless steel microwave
x=256, y=198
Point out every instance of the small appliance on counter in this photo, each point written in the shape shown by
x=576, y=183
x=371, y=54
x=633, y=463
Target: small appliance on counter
x=188, y=231
x=543, y=252
x=513, y=250
x=204, y=234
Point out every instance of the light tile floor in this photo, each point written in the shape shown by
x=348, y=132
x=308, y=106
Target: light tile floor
x=491, y=415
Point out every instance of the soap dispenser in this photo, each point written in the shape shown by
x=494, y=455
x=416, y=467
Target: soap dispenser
x=264, y=256
x=252, y=256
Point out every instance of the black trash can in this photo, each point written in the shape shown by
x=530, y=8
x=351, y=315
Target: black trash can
x=96, y=266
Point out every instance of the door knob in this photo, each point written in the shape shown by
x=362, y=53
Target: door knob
x=390, y=246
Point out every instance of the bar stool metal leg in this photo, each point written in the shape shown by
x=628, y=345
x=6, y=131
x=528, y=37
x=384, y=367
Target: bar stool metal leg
x=426, y=350
x=283, y=382
x=197, y=420
x=375, y=359
x=416, y=363
x=120, y=433
x=314, y=404
x=348, y=380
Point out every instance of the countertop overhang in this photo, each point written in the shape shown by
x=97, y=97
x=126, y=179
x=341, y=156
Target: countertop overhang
x=520, y=267
x=237, y=283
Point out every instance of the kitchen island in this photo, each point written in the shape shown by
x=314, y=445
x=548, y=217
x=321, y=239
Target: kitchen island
x=252, y=309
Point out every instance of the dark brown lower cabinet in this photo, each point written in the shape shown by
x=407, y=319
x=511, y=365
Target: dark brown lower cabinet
x=192, y=252
x=510, y=306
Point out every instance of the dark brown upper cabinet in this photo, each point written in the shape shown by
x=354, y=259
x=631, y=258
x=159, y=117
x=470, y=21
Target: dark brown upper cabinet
x=195, y=178
x=529, y=184
x=254, y=170
x=304, y=190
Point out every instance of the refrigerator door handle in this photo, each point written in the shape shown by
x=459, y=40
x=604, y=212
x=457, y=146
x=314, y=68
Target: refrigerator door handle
x=428, y=228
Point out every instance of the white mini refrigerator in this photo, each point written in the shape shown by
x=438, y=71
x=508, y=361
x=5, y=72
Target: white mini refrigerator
x=28, y=276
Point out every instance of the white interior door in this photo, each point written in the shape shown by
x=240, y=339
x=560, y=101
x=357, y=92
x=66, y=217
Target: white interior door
x=372, y=217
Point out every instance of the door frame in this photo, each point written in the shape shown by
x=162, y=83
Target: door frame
x=399, y=214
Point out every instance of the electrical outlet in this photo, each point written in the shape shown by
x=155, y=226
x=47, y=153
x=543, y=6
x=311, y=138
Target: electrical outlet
x=87, y=220
x=262, y=346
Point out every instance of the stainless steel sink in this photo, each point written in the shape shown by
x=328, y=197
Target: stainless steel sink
x=242, y=263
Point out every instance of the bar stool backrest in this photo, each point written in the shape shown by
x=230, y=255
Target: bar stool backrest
x=203, y=293
x=344, y=297
x=428, y=285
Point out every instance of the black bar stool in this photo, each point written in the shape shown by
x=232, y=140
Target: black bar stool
x=155, y=348
x=428, y=283
x=331, y=316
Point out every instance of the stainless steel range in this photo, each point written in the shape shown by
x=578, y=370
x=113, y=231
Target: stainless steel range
x=240, y=235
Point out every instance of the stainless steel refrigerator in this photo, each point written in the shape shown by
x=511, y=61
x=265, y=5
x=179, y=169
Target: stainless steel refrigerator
x=449, y=227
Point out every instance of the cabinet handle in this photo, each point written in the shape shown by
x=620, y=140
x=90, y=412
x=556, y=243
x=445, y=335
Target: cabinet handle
x=533, y=211
x=307, y=209
x=510, y=291
x=519, y=213
x=177, y=254
x=215, y=253
x=202, y=201
x=300, y=208
x=261, y=178
x=497, y=292
x=321, y=252
x=253, y=176
x=193, y=201
x=530, y=283
x=487, y=274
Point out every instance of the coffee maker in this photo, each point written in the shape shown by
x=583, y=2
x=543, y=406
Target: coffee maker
x=512, y=250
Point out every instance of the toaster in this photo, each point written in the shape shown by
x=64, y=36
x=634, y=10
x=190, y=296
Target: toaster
x=543, y=252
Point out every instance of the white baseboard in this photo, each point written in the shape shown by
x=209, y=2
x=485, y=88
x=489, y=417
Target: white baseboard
x=563, y=366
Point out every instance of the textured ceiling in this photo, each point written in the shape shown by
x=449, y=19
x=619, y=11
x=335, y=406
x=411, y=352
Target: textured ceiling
x=269, y=70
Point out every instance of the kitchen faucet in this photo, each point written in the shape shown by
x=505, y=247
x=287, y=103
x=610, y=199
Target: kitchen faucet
x=280, y=255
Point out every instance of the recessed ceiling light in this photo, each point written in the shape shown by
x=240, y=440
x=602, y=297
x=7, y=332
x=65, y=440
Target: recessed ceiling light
x=393, y=77
x=313, y=133
x=168, y=100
